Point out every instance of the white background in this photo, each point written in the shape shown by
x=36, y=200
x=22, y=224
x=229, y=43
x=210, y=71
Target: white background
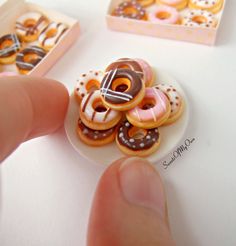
x=46, y=188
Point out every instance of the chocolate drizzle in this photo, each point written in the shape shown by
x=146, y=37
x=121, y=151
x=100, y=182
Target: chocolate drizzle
x=9, y=50
x=117, y=97
x=146, y=142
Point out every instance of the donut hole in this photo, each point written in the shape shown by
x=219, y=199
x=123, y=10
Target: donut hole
x=199, y=19
x=29, y=23
x=147, y=103
x=6, y=44
x=51, y=33
x=130, y=10
x=163, y=15
x=92, y=85
x=98, y=106
x=123, y=66
x=30, y=57
x=137, y=133
x=121, y=85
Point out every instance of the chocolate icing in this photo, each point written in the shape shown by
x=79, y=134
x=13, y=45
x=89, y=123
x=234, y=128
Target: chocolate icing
x=117, y=97
x=13, y=49
x=144, y=143
x=20, y=62
x=95, y=134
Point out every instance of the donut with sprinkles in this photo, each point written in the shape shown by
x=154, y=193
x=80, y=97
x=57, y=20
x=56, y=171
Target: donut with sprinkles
x=136, y=141
x=213, y=6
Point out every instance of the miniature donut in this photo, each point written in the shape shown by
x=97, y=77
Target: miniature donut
x=29, y=26
x=94, y=137
x=95, y=115
x=9, y=46
x=177, y=4
x=145, y=3
x=130, y=9
x=28, y=58
x=176, y=102
x=153, y=111
x=164, y=15
x=122, y=89
x=136, y=141
x=199, y=18
x=213, y=6
x=138, y=65
x=51, y=34
x=88, y=82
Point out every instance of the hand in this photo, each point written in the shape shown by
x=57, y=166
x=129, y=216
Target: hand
x=129, y=206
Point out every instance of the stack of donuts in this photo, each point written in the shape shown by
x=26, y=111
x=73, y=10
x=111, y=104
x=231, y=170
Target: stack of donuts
x=191, y=13
x=34, y=36
x=122, y=104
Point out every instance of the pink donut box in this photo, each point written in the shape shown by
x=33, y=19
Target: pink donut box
x=10, y=10
x=201, y=35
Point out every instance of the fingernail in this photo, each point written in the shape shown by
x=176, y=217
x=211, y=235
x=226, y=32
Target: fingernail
x=141, y=184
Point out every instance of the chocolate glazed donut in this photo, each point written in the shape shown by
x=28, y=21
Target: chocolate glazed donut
x=117, y=97
x=126, y=62
x=146, y=142
x=9, y=50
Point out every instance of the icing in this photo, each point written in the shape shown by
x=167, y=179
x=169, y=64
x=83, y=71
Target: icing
x=9, y=50
x=206, y=3
x=174, y=97
x=208, y=19
x=146, y=69
x=39, y=23
x=93, y=115
x=95, y=134
x=164, y=15
x=84, y=80
x=29, y=65
x=171, y=2
x=117, y=97
x=135, y=144
x=50, y=41
x=151, y=114
x=139, y=12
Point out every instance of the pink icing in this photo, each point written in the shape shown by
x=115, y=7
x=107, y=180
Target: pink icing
x=174, y=15
x=148, y=73
x=155, y=113
x=171, y=2
x=7, y=74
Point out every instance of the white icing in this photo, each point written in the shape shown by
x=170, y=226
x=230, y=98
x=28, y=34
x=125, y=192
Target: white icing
x=15, y=46
x=205, y=3
x=80, y=88
x=90, y=113
x=51, y=41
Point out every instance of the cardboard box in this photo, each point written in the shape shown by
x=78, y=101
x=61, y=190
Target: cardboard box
x=12, y=9
x=178, y=32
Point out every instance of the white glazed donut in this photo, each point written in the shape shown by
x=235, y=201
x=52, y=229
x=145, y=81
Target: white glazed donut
x=51, y=34
x=213, y=6
x=88, y=82
x=29, y=26
x=95, y=115
x=202, y=18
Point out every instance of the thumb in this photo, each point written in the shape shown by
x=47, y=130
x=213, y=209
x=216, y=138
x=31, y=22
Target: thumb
x=129, y=207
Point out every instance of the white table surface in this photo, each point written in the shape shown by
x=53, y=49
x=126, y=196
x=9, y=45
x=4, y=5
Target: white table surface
x=46, y=188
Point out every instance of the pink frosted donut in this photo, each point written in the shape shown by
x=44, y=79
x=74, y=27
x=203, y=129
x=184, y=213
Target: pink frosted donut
x=7, y=74
x=164, y=15
x=152, y=112
x=147, y=71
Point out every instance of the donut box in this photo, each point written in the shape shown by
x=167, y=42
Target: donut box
x=12, y=9
x=192, y=34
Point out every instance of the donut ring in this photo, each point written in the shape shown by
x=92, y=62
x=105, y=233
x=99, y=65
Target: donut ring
x=95, y=115
x=177, y=4
x=51, y=34
x=138, y=65
x=176, y=102
x=27, y=59
x=145, y=3
x=9, y=46
x=164, y=15
x=124, y=99
x=202, y=18
x=153, y=111
x=136, y=141
x=130, y=9
x=95, y=137
x=213, y=6
x=29, y=26
x=87, y=83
